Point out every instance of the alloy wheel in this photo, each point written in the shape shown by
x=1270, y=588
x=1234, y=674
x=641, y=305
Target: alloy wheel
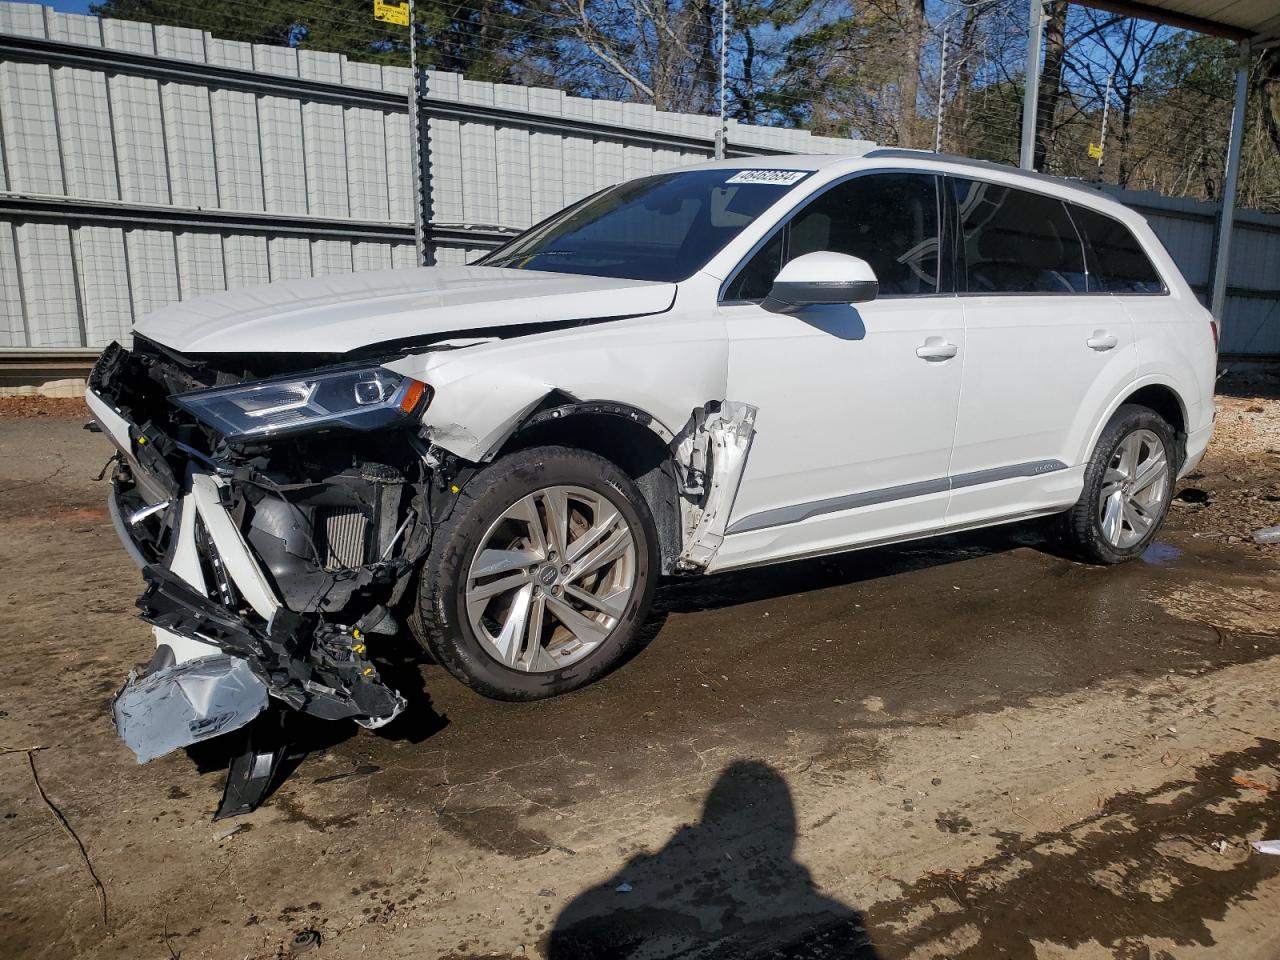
x=551, y=579
x=1135, y=488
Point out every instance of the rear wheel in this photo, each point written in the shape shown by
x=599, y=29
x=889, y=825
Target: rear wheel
x=1128, y=486
x=540, y=578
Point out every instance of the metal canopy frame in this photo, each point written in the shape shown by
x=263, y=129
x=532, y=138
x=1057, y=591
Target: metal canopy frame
x=1247, y=42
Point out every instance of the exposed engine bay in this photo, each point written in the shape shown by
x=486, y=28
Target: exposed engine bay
x=287, y=553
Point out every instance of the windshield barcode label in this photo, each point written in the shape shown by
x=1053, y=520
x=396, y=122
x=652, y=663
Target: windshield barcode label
x=784, y=178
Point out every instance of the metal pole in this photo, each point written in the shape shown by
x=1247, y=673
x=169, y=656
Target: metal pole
x=942, y=88
x=1102, y=137
x=723, y=136
x=1031, y=96
x=419, y=228
x=1222, y=256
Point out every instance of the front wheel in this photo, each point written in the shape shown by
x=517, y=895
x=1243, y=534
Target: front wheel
x=541, y=577
x=1128, y=485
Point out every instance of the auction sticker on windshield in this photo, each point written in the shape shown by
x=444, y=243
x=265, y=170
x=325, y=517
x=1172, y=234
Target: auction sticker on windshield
x=780, y=177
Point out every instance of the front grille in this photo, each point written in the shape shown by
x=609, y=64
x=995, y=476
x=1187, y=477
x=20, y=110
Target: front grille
x=345, y=530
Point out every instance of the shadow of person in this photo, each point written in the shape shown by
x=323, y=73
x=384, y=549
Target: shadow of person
x=725, y=887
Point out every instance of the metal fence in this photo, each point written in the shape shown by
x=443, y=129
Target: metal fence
x=145, y=164
x=1251, y=323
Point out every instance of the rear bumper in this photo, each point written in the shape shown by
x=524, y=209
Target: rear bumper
x=1197, y=444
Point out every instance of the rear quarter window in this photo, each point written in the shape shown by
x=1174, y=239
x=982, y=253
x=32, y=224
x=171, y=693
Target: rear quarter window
x=1119, y=264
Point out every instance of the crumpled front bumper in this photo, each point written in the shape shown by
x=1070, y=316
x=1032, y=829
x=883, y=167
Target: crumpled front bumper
x=230, y=645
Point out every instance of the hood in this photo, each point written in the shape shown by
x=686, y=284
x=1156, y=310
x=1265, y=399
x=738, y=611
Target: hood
x=343, y=312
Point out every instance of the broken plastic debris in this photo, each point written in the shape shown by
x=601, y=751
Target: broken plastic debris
x=623, y=888
x=180, y=705
x=1267, y=535
x=1266, y=846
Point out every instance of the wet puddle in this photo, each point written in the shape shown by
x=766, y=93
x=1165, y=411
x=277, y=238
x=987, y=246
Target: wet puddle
x=1161, y=554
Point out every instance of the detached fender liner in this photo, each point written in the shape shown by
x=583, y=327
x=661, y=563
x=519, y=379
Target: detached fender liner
x=311, y=666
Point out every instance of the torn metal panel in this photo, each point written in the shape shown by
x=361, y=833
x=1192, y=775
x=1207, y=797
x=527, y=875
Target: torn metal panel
x=714, y=452
x=185, y=703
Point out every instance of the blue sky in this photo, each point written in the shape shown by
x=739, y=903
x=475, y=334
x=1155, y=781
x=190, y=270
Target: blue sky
x=69, y=6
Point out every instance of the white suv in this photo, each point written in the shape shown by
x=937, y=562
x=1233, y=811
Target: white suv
x=732, y=364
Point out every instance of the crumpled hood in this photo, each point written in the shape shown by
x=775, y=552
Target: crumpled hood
x=343, y=312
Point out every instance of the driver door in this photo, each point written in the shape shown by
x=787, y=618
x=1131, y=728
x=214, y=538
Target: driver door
x=857, y=403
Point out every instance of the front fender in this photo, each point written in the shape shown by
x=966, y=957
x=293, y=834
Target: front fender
x=663, y=367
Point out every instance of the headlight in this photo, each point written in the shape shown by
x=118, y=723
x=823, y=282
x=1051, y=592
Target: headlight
x=362, y=399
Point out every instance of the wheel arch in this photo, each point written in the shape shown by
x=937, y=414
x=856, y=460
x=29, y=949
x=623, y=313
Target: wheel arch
x=637, y=442
x=1154, y=393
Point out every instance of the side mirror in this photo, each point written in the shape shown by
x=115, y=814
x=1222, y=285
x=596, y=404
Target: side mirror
x=823, y=277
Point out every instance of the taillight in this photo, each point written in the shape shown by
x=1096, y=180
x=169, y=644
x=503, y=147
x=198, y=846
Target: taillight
x=1213, y=328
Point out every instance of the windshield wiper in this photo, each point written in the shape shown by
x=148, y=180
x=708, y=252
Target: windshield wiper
x=530, y=256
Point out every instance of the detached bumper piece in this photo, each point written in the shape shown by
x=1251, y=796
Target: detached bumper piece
x=176, y=706
x=311, y=666
x=253, y=770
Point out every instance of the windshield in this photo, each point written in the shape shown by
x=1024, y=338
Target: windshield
x=657, y=228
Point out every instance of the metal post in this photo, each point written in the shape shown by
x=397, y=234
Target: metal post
x=942, y=89
x=419, y=214
x=723, y=135
x=1222, y=255
x=1102, y=136
x=1031, y=96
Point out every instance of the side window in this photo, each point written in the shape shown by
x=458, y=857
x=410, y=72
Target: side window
x=756, y=278
x=1119, y=263
x=1014, y=241
x=890, y=220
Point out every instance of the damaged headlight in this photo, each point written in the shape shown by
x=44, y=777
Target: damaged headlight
x=362, y=398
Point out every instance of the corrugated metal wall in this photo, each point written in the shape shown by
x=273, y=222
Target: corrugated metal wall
x=91, y=135
x=322, y=182
x=85, y=134
x=1251, y=324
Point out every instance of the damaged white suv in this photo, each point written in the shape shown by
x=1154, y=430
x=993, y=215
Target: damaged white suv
x=732, y=364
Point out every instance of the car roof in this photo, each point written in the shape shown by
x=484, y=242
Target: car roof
x=896, y=157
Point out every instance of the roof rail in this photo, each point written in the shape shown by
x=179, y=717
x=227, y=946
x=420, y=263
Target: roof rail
x=902, y=153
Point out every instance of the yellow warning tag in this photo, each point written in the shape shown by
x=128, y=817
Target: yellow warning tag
x=397, y=13
x=1095, y=151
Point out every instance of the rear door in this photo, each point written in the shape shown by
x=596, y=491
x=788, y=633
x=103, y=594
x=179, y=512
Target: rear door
x=1045, y=353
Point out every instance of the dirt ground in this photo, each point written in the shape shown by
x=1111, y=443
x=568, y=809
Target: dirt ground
x=958, y=748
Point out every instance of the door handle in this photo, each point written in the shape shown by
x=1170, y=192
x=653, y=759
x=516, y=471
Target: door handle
x=1101, y=340
x=935, y=349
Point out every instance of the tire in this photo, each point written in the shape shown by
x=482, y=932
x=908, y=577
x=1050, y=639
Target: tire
x=1112, y=531
x=489, y=543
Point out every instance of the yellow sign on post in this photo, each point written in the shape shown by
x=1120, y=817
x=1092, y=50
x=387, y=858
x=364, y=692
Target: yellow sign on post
x=1095, y=151
x=397, y=13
